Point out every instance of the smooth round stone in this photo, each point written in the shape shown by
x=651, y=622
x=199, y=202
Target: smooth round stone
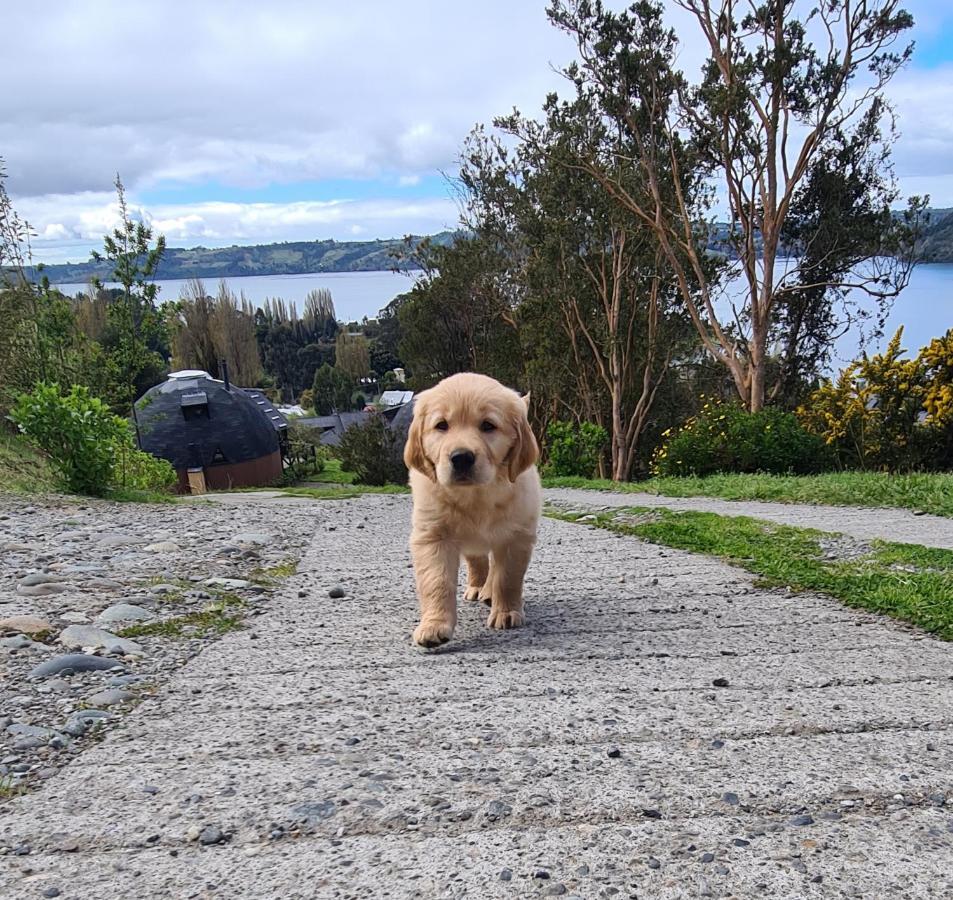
x=17, y=642
x=76, y=662
x=123, y=612
x=162, y=547
x=38, y=578
x=41, y=590
x=31, y=625
x=110, y=697
x=82, y=636
x=39, y=732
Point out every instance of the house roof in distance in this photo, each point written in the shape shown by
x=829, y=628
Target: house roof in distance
x=225, y=426
x=396, y=398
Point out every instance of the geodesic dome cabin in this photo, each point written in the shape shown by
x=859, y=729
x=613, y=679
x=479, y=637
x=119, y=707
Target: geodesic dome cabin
x=231, y=434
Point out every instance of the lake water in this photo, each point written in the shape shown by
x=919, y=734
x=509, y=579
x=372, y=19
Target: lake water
x=356, y=294
x=925, y=307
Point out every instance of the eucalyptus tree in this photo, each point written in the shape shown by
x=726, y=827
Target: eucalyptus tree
x=789, y=88
x=591, y=274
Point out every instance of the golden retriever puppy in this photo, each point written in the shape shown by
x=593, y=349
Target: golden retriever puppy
x=471, y=456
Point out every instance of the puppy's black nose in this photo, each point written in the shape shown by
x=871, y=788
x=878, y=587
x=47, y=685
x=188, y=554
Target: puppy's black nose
x=462, y=461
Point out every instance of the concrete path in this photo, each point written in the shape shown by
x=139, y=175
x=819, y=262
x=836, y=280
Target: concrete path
x=865, y=523
x=661, y=728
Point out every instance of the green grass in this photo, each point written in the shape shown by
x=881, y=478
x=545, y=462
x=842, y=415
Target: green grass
x=331, y=484
x=10, y=789
x=332, y=473
x=904, y=581
x=284, y=569
x=931, y=493
x=125, y=495
x=219, y=617
x=23, y=469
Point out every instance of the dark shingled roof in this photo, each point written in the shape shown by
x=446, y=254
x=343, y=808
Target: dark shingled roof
x=333, y=427
x=193, y=421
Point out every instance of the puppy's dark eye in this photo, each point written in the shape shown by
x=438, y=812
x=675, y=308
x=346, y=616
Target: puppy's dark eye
x=487, y=426
x=441, y=425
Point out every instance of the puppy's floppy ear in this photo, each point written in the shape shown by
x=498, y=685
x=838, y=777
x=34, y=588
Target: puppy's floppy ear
x=414, y=456
x=525, y=451
x=525, y=398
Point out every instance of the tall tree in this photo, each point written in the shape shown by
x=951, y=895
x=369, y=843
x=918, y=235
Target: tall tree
x=134, y=260
x=770, y=103
x=586, y=266
x=193, y=345
x=233, y=336
x=352, y=355
x=39, y=340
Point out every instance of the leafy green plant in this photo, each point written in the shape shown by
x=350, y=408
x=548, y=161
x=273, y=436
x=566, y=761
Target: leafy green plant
x=374, y=453
x=725, y=437
x=90, y=448
x=308, y=456
x=574, y=449
x=139, y=471
x=77, y=431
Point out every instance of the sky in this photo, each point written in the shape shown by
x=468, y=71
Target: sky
x=249, y=122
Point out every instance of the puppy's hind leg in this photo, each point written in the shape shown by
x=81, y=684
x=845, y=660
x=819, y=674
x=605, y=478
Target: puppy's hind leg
x=478, y=568
x=436, y=564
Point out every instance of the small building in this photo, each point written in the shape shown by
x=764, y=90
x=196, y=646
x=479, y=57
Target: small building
x=332, y=427
x=233, y=436
x=393, y=399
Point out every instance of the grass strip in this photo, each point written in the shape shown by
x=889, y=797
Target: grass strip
x=905, y=581
x=921, y=492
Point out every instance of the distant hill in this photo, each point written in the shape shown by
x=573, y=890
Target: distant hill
x=936, y=244
x=293, y=258
x=301, y=257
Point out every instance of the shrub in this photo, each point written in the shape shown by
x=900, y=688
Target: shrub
x=574, y=448
x=308, y=456
x=90, y=448
x=79, y=433
x=882, y=412
x=374, y=453
x=139, y=471
x=725, y=437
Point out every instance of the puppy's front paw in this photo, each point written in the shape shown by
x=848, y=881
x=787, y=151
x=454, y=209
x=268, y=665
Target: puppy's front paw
x=432, y=634
x=472, y=593
x=501, y=619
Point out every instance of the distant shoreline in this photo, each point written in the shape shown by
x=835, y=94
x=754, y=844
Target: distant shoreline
x=160, y=277
x=267, y=260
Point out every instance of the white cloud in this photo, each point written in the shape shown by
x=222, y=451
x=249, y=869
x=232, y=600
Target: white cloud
x=247, y=95
x=254, y=94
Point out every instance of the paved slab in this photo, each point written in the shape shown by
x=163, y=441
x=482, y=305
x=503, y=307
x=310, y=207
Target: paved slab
x=865, y=523
x=662, y=727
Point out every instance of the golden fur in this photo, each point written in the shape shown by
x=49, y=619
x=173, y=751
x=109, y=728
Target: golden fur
x=488, y=513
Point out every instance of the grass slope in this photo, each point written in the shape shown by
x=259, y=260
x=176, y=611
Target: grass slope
x=905, y=581
x=930, y=493
x=23, y=470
